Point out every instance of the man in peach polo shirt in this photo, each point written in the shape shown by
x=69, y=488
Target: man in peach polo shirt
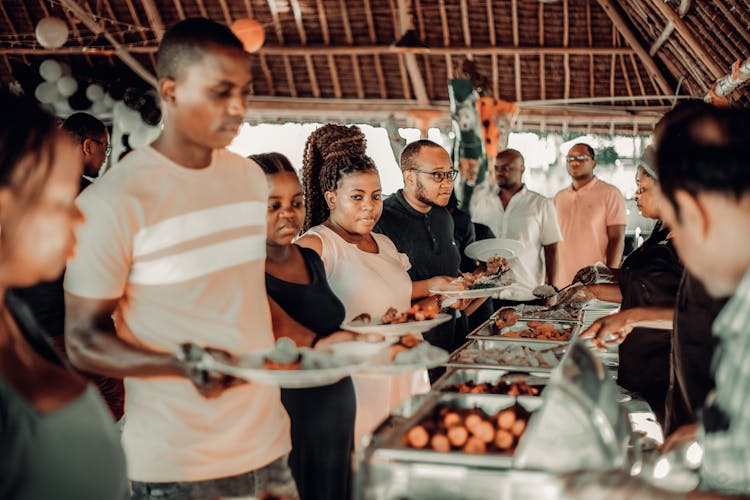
x=591, y=214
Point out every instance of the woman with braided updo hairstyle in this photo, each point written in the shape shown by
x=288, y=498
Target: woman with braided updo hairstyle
x=364, y=269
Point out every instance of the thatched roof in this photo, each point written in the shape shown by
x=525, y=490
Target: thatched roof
x=617, y=64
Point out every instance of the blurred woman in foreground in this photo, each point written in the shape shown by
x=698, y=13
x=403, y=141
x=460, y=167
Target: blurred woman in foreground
x=58, y=438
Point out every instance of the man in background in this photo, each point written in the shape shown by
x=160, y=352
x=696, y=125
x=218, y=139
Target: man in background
x=592, y=218
x=512, y=211
x=92, y=136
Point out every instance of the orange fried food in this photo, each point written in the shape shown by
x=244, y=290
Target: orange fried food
x=439, y=442
x=417, y=437
x=469, y=430
x=269, y=364
x=457, y=435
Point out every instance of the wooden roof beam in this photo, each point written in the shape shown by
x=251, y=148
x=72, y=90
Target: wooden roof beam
x=383, y=108
x=622, y=26
x=542, y=63
x=687, y=35
x=410, y=60
x=181, y=9
x=360, y=50
x=373, y=40
x=669, y=28
x=225, y=12
x=733, y=20
x=123, y=54
x=153, y=17
x=297, y=13
x=466, y=28
x=356, y=70
x=280, y=39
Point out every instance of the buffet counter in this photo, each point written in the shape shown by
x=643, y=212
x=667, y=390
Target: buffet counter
x=511, y=415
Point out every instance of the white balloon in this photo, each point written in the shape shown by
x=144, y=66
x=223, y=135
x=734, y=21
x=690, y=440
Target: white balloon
x=142, y=135
x=52, y=32
x=62, y=108
x=98, y=108
x=94, y=92
x=108, y=101
x=46, y=92
x=50, y=70
x=129, y=120
x=119, y=107
x=67, y=86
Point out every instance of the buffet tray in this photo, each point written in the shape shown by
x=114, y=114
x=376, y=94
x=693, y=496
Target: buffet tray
x=392, y=446
x=493, y=345
x=482, y=376
x=528, y=312
x=491, y=332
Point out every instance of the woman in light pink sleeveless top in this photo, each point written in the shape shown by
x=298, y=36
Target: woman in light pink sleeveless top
x=364, y=269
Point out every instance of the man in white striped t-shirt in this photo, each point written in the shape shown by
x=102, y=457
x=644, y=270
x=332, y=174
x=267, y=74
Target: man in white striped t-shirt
x=174, y=250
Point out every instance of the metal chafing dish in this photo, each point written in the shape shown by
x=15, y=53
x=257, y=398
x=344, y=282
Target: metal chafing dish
x=389, y=469
x=392, y=446
x=492, y=332
x=483, y=354
x=543, y=313
x=481, y=376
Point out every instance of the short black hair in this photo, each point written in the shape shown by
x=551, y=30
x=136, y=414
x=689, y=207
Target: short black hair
x=187, y=42
x=588, y=148
x=513, y=153
x=82, y=126
x=705, y=150
x=412, y=150
x=273, y=163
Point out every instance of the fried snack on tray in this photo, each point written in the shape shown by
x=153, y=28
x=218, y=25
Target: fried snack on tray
x=469, y=430
x=501, y=387
x=538, y=330
x=506, y=317
x=481, y=278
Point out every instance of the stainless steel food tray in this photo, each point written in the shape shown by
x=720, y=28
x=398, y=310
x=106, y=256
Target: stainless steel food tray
x=488, y=346
x=487, y=330
x=392, y=446
x=482, y=376
x=526, y=312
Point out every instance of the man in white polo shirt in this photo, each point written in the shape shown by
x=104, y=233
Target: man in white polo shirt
x=174, y=249
x=514, y=212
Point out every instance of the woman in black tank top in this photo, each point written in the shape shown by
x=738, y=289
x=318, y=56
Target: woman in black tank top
x=304, y=308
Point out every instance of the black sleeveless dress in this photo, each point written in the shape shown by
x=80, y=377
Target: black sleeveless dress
x=650, y=276
x=322, y=418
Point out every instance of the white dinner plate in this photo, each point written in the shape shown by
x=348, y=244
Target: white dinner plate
x=250, y=367
x=390, y=330
x=471, y=293
x=424, y=355
x=483, y=250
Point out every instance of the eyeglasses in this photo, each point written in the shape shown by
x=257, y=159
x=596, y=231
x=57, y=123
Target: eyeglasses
x=577, y=158
x=438, y=176
x=107, y=147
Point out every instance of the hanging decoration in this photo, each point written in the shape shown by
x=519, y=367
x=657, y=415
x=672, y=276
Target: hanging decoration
x=468, y=151
x=52, y=32
x=250, y=32
x=497, y=118
x=50, y=70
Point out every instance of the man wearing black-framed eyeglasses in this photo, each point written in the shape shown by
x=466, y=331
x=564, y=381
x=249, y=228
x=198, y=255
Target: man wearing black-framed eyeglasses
x=92, y=136
x=416, y=219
